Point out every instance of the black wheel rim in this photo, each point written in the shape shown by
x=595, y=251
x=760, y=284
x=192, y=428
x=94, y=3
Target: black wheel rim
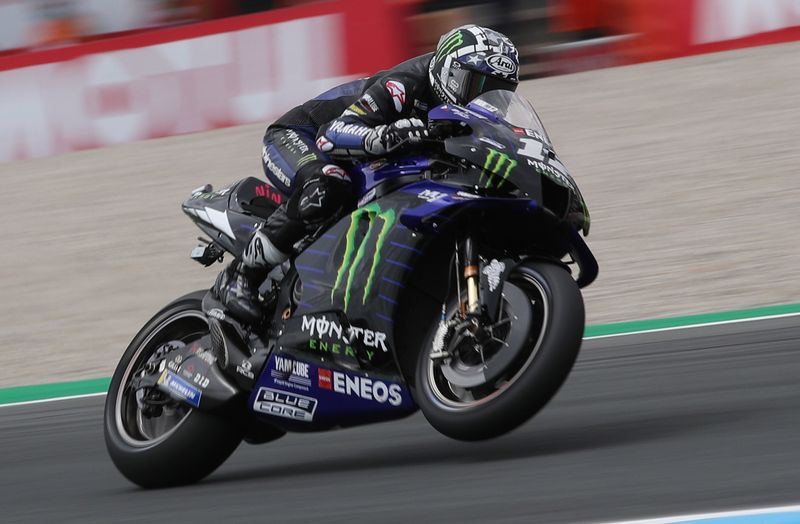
x=136, y=429
x=453, y=397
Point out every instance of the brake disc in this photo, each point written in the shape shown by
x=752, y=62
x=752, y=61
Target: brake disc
x=520, y=314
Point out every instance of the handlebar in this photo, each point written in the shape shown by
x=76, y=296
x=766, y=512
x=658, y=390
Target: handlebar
x=437, y=132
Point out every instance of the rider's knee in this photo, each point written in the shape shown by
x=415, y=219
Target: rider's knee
x=324, y=190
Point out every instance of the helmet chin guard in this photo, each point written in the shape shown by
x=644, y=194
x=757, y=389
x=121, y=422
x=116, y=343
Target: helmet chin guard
x=471, y=60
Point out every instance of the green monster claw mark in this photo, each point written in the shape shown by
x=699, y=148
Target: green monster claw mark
x=495, y=168
x=349, y=264
x=451, y=44
x=305, y=159
x=388, y=218
x=487, y=164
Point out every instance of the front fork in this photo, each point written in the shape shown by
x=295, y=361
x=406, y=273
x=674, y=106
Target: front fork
x=480, y=315
x=484, y=283
x=466, y=257
x=469, y=253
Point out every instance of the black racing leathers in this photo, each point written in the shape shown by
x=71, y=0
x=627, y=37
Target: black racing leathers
x=402, y=92
x=302, y=148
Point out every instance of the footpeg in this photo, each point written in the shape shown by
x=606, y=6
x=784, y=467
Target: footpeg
x=207, y=252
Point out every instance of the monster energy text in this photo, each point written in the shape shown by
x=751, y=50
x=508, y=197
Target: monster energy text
x=332, y=337
x=354, y=255
x=551, y=172
x=336, y=348
x=499, y=164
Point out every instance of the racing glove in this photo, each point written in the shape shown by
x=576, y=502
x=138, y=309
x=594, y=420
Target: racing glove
x=385, y=138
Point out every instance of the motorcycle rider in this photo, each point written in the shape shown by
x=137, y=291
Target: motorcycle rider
x=363, y=118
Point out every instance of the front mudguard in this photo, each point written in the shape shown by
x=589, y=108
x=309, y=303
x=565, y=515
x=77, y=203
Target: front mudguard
x=588, y=269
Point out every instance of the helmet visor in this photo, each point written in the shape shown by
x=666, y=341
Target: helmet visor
x=469, y=84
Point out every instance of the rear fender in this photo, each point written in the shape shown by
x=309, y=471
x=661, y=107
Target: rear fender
x=230, y=215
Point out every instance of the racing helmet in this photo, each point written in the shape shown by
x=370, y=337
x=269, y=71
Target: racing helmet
x=471, y=60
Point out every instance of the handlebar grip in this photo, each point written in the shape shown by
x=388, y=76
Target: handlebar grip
x=440, y=129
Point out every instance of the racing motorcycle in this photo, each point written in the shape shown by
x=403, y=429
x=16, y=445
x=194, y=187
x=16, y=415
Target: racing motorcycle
x=452, y=288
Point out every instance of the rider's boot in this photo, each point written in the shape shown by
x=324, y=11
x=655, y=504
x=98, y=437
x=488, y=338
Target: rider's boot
x=237, y=286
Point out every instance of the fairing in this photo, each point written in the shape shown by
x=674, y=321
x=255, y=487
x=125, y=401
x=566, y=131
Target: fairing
x=509, y=157
x=336, y=360
x=511, y=108
x=231, y=214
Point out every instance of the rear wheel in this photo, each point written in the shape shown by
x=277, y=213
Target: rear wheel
x=169, y=443
x=489, y=385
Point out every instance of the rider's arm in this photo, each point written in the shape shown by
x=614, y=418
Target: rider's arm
x=374, y=121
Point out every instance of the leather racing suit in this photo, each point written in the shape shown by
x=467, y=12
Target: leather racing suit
x=300, y=155
x=301, y=150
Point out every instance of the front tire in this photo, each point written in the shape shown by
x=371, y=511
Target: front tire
x=181, y=445
x=550, y=312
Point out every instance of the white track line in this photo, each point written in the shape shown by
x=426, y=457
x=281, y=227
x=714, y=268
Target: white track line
x=54, y=399
x=692, y=326
x=701, y=516
x=596, y=337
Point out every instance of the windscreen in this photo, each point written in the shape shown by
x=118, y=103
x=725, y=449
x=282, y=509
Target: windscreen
x=511, y=108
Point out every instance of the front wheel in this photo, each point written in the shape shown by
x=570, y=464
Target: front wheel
x=491, y=384
x=173, y=444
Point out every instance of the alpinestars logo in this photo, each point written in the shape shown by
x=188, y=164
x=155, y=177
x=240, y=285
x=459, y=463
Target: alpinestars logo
x=313, y=200
x=324, y=145
x=398, y=93
x=353, y=255
x=499, y=164
x=277, y=171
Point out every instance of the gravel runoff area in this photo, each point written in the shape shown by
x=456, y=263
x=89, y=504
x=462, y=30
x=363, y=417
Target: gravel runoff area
x=690, y=167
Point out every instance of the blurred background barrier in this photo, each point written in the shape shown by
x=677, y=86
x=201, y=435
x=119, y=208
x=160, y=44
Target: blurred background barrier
x=189, y=78
x=689, y=166
x=79, y=74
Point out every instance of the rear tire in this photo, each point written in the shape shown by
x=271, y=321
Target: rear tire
x=553, y=338
x=194, y=443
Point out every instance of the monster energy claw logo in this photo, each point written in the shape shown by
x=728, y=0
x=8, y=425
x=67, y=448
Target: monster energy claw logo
x=450, y=44
x=499, y=164
x=305, y=159
x=353, y=256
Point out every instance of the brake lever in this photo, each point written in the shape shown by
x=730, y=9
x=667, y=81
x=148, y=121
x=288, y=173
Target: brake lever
x=417, y=141
x=398, y=145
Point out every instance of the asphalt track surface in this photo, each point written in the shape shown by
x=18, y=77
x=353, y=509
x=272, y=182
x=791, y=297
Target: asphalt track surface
x=648, y=425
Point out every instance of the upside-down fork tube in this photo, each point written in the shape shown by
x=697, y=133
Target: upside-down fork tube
x=472, y=274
